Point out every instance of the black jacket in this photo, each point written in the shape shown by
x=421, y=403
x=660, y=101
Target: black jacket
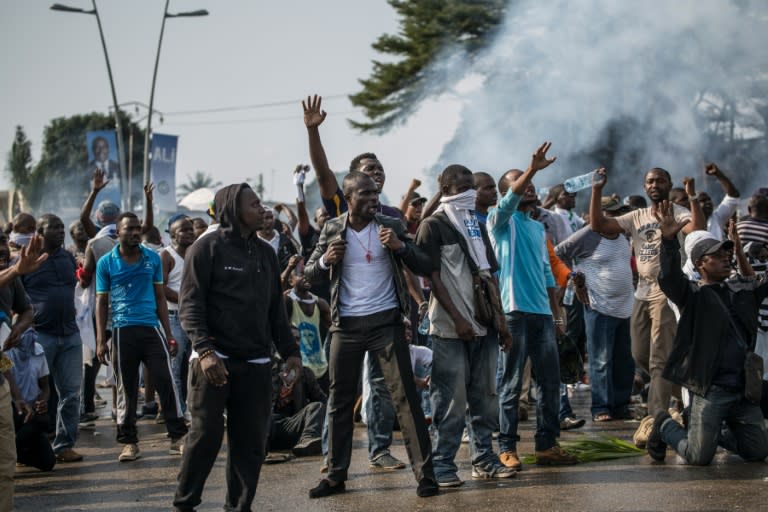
x=336, y=229
x=230, y=297
x=704, y=321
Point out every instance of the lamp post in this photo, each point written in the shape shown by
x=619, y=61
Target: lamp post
x=118, y=125
x=166, y=15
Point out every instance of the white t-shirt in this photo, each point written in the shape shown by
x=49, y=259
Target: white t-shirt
x=719, y=219
x=643, y=227
x=367, y=285
x=572, y=222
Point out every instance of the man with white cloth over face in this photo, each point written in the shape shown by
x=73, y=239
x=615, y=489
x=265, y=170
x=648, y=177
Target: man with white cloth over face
x=465, y=353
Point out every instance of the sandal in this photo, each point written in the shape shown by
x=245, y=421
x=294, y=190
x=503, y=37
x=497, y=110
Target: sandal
x=603, y=416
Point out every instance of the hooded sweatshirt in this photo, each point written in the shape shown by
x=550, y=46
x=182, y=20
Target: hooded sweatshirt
x=231, y=298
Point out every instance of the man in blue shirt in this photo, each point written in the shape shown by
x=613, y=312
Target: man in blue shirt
x=528, y=296
x=132, y=276
x=51, y=290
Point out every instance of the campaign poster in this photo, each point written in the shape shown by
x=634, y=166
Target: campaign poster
x=163, y=170
x=102, y=154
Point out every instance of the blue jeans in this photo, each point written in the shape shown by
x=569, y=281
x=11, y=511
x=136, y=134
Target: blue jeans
x=379, y=412
x=181, y=358
x=611, y=367
x=533, y=336
x=463, y=392
x=744, y=433
x=566, y=411
x=64, y=355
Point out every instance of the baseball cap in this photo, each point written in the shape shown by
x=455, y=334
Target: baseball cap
x=416, y=199
x=107, y=213
x=173, y=219
x=708, y=246
x=611, y=204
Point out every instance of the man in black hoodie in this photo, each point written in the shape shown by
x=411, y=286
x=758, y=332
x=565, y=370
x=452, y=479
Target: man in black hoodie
x=231, y=306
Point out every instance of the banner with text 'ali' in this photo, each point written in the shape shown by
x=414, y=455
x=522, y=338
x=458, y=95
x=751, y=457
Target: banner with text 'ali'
x=163, y=170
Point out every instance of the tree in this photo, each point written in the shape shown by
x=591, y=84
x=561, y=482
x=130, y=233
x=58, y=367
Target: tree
x=199, y=180
x=19, y=167
x=62, y=172
x=427, y=27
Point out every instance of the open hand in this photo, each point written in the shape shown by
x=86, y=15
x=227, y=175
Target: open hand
x=149, y=189
x=668, y=225
x=31, y=256
x=313, y=115
x=539, y=159
x=97, y=181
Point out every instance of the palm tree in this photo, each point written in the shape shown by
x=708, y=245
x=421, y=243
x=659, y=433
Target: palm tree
x=199, y=180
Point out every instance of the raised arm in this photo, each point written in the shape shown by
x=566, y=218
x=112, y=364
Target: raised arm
x=672, y=281
x=292, y=220
x=409, y=194
x=313, y=118
x=97, y=183
x=728, y=187
x=30, y=259
x=597, y=221
x=149, y=211
x=698, y=220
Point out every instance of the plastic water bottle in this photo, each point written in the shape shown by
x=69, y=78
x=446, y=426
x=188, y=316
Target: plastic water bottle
x=424, y=325
x=577, y=183
x=569, y=293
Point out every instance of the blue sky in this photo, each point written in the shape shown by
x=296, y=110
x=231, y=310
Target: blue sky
x=243, y=53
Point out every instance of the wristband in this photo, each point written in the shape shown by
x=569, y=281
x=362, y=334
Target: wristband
x=172, y=341
x=206, y=353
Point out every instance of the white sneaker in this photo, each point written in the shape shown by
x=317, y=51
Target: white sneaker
x=130, y=452
x=177, y=446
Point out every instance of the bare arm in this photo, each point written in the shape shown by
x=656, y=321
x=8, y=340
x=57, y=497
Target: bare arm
x=168, y=264
x=432, y=204
x=162, y=314
x=698, y=220
x=597, y=221
x=89, y=267
x=409, y=194
x=97, y=183
x=728, y=187
x=313, y=118
x=30, y=259
x=149, y=212
x=102, y=308
x=292, y=220
x=301, y=209
x=24, y=321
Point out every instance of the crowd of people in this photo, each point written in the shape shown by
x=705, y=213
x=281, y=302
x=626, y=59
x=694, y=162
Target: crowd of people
x=442, y=316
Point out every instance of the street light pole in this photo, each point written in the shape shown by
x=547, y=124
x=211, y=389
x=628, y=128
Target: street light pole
x=147, y=134
x=118, y=124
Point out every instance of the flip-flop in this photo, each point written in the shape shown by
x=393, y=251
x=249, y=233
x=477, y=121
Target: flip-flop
x=599, y=418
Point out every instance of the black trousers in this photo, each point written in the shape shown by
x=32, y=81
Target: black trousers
x=247, y=398
x=32, y=445
x=90, y=372
x=286, y=431
x=132, y=346
x=383, y=335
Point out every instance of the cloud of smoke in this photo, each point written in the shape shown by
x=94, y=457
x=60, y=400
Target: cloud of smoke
x=622, y=84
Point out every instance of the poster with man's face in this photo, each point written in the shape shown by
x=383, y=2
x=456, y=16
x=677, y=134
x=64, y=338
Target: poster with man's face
x=102, y=154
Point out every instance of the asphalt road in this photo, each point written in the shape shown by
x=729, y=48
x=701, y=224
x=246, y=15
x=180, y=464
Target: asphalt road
x=102, y=483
